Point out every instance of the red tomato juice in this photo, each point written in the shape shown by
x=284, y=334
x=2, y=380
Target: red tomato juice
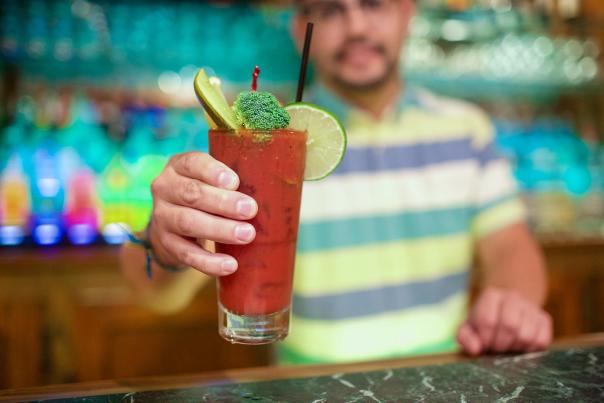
x=270, y=165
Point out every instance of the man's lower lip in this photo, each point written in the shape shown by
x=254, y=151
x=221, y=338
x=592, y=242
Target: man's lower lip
x=357, y=58
x=362, y=50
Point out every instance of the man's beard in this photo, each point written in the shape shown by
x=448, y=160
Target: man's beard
x=376, y=83
x=370, y=85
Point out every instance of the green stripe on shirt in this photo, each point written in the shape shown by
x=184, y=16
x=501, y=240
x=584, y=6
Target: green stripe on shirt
x=344, y=233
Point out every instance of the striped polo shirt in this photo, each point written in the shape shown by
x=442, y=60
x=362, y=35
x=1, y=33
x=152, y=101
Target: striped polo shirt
x=386, y=242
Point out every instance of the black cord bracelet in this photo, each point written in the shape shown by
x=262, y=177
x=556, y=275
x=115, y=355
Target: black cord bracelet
x=150, y=255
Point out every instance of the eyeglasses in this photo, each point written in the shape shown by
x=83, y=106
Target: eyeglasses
x=335, y=11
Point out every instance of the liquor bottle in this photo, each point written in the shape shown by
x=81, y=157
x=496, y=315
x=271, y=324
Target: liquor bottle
x=14, y=203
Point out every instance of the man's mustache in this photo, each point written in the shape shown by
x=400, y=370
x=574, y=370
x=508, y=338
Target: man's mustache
x=341, y=53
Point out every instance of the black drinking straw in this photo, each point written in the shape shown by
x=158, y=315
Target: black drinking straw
x=304, y=64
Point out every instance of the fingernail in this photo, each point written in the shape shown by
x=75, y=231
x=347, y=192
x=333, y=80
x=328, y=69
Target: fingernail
x=244, y=232
x=228, y=266
x=245, y=207
x=226, y=179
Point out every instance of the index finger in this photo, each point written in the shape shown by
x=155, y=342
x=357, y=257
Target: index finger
x=204, y=167
x=469, y=340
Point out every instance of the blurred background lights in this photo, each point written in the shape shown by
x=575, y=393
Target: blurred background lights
x=455, y=30
x=47, y=234
x=48, y=187
x=115, y=233
x=589, y=68
x=11, y=235
x=501, y=5
x=81, y=234
x=169, y=82
x=544, y=46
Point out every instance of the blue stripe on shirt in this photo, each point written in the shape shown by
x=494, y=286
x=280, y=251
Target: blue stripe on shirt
x=488, y=154
x=409, y=156
x=380, y=300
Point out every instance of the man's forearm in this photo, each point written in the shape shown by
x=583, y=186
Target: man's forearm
x=512, y=260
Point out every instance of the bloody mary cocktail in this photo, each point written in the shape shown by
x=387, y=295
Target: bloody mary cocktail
x=254, y=302
x=273, y=149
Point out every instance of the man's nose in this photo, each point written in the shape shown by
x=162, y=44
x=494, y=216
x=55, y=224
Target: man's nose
x=357, y=21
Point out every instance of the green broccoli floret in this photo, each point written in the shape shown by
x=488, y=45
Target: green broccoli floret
x=260, y=110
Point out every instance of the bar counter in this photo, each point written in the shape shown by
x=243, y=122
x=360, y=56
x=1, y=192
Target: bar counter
x=573, y=370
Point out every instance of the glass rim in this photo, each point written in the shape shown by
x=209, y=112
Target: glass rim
x=259, y=131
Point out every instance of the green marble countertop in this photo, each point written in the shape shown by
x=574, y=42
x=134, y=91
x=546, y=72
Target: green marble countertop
x=574, y=374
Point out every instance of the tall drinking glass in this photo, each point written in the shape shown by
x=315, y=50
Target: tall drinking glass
x=254, y=302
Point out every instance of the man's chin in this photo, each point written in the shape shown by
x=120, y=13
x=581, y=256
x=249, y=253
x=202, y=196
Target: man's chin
x=369, y=84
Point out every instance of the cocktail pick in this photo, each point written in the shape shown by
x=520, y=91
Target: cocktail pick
x=255, y=75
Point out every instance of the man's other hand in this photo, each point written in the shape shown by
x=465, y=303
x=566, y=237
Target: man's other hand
x=504, y=321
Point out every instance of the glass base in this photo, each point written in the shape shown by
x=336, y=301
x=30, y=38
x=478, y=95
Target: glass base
x=247, y=329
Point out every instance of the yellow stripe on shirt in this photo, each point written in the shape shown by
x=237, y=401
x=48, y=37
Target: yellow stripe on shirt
x=388, y=334
x=342, y=270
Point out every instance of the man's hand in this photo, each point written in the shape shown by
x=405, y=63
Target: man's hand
x=194, y=198
x=503, y=321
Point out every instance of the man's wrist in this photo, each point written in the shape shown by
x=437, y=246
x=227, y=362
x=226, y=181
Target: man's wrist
x=520, y=292
x=153, y=257
x=158, y=257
